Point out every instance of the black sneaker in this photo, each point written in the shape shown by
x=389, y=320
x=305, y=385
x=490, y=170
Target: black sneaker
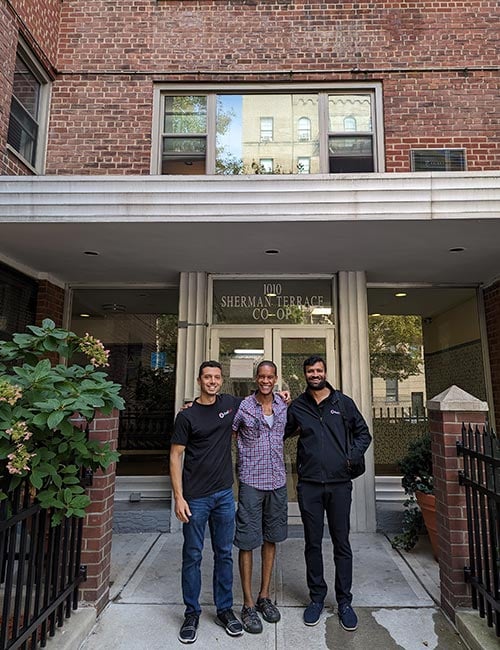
x=189, y=629
x=268, y=609
x=251, y=621
x=347, y=617
x=229, y=622
x=312, y=613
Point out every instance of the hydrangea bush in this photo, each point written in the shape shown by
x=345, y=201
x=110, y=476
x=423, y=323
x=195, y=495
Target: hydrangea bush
x=39, y=402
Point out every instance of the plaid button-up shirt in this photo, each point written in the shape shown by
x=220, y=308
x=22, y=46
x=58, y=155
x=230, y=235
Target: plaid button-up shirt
x=260, y=447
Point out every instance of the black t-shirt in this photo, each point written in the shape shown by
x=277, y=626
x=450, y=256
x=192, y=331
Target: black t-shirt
x=206, y=431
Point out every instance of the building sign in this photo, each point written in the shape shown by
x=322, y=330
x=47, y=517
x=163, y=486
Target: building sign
x=286, y=302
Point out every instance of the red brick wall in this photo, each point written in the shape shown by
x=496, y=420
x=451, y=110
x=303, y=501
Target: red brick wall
x=50, y=303
x=98, y=525
x=492, y=314
x=110, y=54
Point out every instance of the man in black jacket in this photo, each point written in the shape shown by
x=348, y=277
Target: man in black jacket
x=333, y=437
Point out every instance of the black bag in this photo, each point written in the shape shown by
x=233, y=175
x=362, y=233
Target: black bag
x=355, y=468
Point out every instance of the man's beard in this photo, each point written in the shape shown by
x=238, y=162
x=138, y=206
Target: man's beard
x=318, y=386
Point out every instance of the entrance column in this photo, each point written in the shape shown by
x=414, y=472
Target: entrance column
x=192, y=338
x=355, y=382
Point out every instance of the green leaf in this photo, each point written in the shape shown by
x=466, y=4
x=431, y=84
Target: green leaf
x=71, y=480
x=36, y=480
x=55, y=418
x=48, y=324
x=80, y=501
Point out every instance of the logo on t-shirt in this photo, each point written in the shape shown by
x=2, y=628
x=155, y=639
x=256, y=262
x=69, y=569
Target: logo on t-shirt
x=223, y=414
x=334, y=412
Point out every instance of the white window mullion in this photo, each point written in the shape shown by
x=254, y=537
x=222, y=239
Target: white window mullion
x=323, y=132
x=211, y=132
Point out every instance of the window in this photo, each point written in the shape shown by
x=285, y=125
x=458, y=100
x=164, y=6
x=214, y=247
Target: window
x=266, y=129
x=438, y=160
x=266, y=166
x=391, y=390
x=304, y=129
x=303, y=165
x=28, y=109
x=200, y=131
x=350, y=153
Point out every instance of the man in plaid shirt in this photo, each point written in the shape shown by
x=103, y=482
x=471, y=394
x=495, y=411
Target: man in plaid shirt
x=261, y=519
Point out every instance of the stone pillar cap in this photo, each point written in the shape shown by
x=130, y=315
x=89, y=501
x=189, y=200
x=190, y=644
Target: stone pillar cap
x=456, y=399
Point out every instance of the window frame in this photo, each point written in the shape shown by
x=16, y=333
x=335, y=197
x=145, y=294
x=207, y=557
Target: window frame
x=42, y=77
x=160, y=90
x=266, y=138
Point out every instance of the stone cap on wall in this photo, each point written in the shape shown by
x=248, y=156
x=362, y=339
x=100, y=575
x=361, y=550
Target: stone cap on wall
x=456, y=399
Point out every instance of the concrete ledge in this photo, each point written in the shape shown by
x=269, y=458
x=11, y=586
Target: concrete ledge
x=74, y=631
x=475, y=631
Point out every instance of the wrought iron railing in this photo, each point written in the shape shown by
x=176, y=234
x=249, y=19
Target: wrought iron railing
x=40, y=571
x=481, y=478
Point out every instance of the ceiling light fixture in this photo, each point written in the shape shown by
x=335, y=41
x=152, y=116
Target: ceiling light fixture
x=114, y=307
x=456, y=249
x=401, y=294
x=272, y=251
x=241, y=351
x=84, y=315
x=91, y=253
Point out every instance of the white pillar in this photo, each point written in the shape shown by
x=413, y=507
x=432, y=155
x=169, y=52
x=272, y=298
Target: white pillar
x=191, y=341
x=355, y=382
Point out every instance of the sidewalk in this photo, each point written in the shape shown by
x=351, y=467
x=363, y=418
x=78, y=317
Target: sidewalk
x=395, y=610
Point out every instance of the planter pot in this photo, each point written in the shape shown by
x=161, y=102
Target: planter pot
x=427, y=505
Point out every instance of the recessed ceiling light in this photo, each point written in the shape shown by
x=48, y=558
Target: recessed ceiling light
x=91, y=253
x=271, y=295
x=457, y=249
x=400, y=294
x=272, y=251
x=84, y=315
x=113, y=307
x=375, y=314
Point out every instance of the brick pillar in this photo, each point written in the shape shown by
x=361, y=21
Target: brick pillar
x=492, y=318
x=447, y=411
x=97, y=527
x=50, y=303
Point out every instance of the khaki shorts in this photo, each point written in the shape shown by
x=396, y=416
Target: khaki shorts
x=262, y=515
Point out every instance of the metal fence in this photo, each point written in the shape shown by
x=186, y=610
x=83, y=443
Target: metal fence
x=40, y=571
x=481, y=478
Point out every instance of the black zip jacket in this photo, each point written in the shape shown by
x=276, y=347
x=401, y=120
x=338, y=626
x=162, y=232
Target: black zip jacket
x=323, y=453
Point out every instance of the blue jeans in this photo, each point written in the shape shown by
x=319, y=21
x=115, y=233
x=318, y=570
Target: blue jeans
x=218, y=510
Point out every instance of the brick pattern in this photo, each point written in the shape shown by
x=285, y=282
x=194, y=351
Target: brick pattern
x=492, y=315
x=98, y=524
x=451, y=515
x=109, y=55
x=50, y=303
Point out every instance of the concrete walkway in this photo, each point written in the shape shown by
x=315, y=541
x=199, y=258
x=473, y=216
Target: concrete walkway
x=395, y=610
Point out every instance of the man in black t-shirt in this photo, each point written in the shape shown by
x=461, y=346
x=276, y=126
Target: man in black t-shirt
x=203, y=494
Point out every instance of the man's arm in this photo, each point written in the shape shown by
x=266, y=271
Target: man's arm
x=291, y=426
x=182, y=511
x=361, y=437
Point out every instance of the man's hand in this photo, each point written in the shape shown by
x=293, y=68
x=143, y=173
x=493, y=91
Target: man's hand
x=182, y=511
x=285, y=396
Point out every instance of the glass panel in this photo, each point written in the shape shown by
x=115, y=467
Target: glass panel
x=239, y=142
x=185, y=114
x=348, y=111
x=142, y=338
x=186, y=145
x=239, y=357
x=350, y=154
x=23, y=131
x=26, y=88
x=293, y=352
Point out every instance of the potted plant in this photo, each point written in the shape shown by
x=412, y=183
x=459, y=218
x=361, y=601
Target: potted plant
x=39, y=401
x=417, y=481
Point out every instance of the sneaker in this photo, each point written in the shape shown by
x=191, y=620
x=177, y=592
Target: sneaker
x=347, y=617
x=269, y=611
x=251, y=621
x=312, y=613
x=189, y=629
x=228, y=620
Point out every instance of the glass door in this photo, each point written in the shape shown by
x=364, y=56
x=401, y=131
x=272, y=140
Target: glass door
x=239, y=350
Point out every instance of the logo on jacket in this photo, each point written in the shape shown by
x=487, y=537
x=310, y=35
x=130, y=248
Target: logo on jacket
x=334, y=412
x=223, y=414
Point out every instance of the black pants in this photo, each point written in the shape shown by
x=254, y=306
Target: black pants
x=335, y=499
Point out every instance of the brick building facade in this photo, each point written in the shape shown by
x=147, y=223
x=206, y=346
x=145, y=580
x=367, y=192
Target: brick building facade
x=94, y=91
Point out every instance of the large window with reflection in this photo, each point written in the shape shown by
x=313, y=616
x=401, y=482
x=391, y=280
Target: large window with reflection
x=231, y=132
